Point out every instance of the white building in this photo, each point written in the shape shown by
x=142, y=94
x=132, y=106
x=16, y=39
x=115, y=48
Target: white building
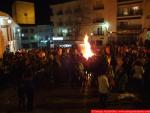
x=9, y=34
x=133, y=20
x=72, y=20
x=34, y=36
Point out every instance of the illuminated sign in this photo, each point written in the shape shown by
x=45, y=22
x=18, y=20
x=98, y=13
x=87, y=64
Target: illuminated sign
x=58, y=38
x=66, y=45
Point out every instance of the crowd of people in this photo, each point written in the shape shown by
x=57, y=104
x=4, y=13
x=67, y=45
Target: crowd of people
x=126, y=69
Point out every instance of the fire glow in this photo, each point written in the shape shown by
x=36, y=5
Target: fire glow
x=87, y=52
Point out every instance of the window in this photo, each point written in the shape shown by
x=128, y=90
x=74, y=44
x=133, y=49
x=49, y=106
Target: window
x=98, y=20
x=32, y=30
x=32, y=38
x=125, y=12
x=24, y=30
x=136, y=10
x=99, y=31
x=77, y=10
x=98, y=5
x=25, y=38
x=60, y=12
x=68, y=11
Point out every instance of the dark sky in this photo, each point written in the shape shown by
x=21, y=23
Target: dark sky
x=5, y=5
x=41, y=8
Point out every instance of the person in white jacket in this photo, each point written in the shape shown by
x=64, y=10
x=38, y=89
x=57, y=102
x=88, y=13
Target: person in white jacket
x=103, y=88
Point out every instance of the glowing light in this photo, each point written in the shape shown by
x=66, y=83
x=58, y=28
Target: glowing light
x=44, y=41
x=9, y=21
x=135, y=8
x=65, y=31
x=66, y=45
x=18, y=30
x=57, y=38
x=22, y=35
x=106, y=25
x=87, y=52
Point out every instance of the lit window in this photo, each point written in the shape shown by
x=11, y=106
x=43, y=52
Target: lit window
x=125, y=12
x=65, y=31
x=135, y=8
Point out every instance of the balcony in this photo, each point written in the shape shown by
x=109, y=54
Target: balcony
x=98, y=20
x=129, y=27
x=123, y=2
x=68, y=11
x=77, y=10
x=128, y=0
x=130, y=15
x=98, y=7
x=69, y=23
x=60, y=24
x=60, y=13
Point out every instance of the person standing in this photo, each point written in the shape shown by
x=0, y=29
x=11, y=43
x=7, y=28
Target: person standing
x=26, y=88
x=138, y=75
x=121, y=77
x=103, y=87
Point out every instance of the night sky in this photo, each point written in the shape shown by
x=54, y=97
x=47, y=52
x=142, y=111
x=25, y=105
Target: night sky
x=5, y=5
x=41, y=8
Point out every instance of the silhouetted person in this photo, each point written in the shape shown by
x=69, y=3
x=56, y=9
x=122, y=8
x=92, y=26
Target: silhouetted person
x=26, y=89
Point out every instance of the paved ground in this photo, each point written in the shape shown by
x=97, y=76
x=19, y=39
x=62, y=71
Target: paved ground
x=66, y=100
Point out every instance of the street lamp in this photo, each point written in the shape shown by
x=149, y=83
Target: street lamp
x=106, y=26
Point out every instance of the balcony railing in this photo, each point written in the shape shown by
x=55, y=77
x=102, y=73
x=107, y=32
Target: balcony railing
x=68, y=12
x=77, y=10
x=129, y=27
x=129, y=0
x=131, y=13
x=60, y=13
x=99, y=20
x=60, y=24
x=98, y=7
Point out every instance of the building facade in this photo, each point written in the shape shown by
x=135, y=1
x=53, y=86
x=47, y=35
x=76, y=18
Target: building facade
x=124, y=21
x=9, y=34
x=36, y=36
x=133, y=20
x=72, y=20
x=27, y=36
x=129, y=20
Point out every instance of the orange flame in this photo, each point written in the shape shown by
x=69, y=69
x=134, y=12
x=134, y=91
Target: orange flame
x=87, y=52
